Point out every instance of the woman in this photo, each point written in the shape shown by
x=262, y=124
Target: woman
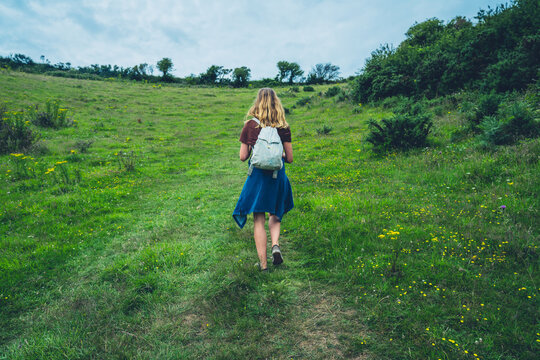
x=262, y=193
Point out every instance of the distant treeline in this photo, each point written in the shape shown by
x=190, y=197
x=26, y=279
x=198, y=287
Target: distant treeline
x=288, y=72
x=501, y=53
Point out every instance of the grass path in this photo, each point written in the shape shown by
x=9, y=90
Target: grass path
x=286, y=312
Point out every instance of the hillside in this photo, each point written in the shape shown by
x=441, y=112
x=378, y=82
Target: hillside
x=428, y=254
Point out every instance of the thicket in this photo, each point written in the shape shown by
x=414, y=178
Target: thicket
x=500, y=52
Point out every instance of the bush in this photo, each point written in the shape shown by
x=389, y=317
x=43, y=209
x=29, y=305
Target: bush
x=519, y=121
x=15, y=135
x=487, y=105
x=514, y=121
x=308, y=89
x=53, y=116
x=333, y=91
x=493, y=132
x=402, y=132
x=126, y=160
x=342, y=97
x=394, y=101
x=303, y=101
x=294, y=89
x=324, y=130
x=83, y=145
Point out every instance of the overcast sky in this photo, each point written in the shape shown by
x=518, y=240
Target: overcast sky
x=232, y=33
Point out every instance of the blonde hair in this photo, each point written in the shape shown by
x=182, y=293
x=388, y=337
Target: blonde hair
x=268, y=109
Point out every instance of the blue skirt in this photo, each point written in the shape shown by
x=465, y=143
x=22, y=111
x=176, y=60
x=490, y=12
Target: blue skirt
x=262, y=193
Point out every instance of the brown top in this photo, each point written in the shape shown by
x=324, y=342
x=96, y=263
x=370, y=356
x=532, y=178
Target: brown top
x=251, y=131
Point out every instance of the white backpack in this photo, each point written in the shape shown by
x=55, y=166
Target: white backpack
x=268, y=151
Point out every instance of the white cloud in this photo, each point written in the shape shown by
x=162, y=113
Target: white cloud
x=197, y=34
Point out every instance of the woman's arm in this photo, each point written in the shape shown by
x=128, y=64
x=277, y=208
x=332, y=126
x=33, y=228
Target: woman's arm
x=244, y=151
x=287, y=146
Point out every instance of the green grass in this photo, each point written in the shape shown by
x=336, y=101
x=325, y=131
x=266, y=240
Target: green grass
x=149, y=263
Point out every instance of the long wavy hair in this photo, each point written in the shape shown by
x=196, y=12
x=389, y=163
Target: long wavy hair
x=268, y=109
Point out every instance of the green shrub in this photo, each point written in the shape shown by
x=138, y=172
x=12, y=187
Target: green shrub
x=488, y=105
x=83, y=145
x=458, y=135
x=519, y=120
x=303, y=101
x=308, y=89
x=53, y=116
x=493, y=132
x=15, y=135
x=401, y=132
x=324, y=130
x=126, y=160
x=513, y=122
x=475, y=112
x=333, y=91
x=294, y=89
x=394, y=101
x=342, y=97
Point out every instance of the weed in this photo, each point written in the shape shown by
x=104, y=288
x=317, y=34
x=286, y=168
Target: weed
x=82, y=146
x=23, y=166
x=126, y=160
x=61, y=175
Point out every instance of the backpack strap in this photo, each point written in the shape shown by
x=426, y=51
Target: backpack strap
x=250, y=169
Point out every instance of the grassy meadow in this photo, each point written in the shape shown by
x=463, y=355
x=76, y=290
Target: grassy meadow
x=117, y=240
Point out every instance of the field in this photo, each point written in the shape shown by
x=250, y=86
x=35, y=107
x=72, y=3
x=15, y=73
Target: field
x=127, y=249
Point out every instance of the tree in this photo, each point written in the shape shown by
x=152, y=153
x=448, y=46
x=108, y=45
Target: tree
x=288, y=71
x=322, y=73
x=165, y=65
x=424, y=33
x=143, y=69
x=214, y=74
x=22, y=59
x=240, y=76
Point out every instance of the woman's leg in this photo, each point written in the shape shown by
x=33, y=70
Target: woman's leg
x=275, y=225
x=259, y=233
